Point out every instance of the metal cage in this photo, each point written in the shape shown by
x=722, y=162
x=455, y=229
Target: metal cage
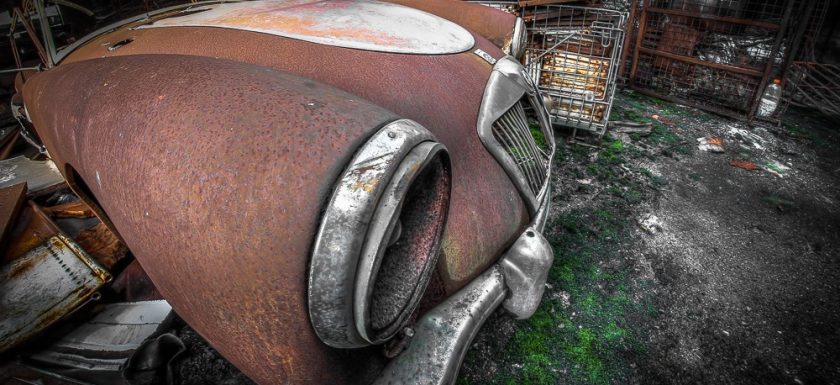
x=717, y=56
x=573, y=56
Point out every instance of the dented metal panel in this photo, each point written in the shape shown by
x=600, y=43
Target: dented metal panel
x=108, y=340
x=44, y=285
x=367, y=25
x=38, y=175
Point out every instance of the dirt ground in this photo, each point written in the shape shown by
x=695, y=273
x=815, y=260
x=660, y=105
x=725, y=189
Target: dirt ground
x=674, y=266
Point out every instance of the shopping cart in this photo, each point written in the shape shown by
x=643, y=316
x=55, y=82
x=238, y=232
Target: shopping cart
x=573, y=55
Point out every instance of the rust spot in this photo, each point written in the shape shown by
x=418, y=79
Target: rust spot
x=102, y=245
x=69, y=210
x=367, y=185
x=22, y=265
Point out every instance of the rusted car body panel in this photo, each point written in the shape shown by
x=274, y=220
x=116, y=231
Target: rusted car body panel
x=215, y=183
x=212, y=152
x=416, y=87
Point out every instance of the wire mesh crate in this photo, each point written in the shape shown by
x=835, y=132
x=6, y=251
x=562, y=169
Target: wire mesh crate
x=716, y=55
x=813, y=85
x=573, y=56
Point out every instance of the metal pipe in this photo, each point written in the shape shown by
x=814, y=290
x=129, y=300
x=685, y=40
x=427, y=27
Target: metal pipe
x=639, y=36
x=19, y=70
x=688, y=59
x=46, y=32
x=725, y=19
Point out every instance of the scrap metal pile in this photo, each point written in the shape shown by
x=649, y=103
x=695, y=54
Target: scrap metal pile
x=75, y=307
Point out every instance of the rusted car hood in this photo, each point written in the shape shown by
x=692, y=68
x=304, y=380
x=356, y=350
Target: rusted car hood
x=367, y=25
x=441, y=92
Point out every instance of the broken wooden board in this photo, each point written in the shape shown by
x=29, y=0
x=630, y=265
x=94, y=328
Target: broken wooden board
x=11, y=199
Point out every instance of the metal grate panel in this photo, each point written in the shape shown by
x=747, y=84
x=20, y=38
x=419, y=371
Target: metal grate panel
x=573, y=54
x=514, y=134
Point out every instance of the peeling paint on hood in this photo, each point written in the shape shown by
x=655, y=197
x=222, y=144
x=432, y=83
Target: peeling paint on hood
x=365, y=25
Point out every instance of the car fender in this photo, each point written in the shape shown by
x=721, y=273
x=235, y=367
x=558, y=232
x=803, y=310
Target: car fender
x=214, y=172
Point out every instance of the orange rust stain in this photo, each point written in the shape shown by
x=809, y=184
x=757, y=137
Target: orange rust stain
x=102, y=245
x=22, y=265
x=32, y=230
x=69, y=210
x=367, y=185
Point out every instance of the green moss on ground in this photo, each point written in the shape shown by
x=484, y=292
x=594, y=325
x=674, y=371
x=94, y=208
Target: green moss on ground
x=581, y=333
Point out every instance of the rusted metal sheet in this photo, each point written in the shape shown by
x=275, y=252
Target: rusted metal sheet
x=42, y=286
x=11, y=199
x=368, y=25
x=38, y=175
x=69, y=210
x=102, y=245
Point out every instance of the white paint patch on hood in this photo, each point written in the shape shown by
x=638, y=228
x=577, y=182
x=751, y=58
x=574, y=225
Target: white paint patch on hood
x=366, y=25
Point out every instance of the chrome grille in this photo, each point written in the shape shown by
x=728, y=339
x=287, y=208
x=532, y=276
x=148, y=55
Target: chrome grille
x=512, y=132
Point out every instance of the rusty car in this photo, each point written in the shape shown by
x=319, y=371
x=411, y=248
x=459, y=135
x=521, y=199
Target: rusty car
x=326, y=191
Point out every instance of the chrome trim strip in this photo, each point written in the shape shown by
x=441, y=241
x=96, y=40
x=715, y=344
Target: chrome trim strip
x=379, y=233
x=507, y=84
x=344, y=225
x=519, y=39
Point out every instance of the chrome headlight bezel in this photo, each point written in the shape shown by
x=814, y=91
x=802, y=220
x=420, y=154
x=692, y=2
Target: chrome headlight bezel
x=358, y=227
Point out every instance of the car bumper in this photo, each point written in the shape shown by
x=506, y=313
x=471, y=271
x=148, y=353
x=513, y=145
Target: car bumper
x=443, y=335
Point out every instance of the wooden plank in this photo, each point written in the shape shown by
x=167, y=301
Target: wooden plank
x=687, y=59
x=11, y=199
x=725, y=19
